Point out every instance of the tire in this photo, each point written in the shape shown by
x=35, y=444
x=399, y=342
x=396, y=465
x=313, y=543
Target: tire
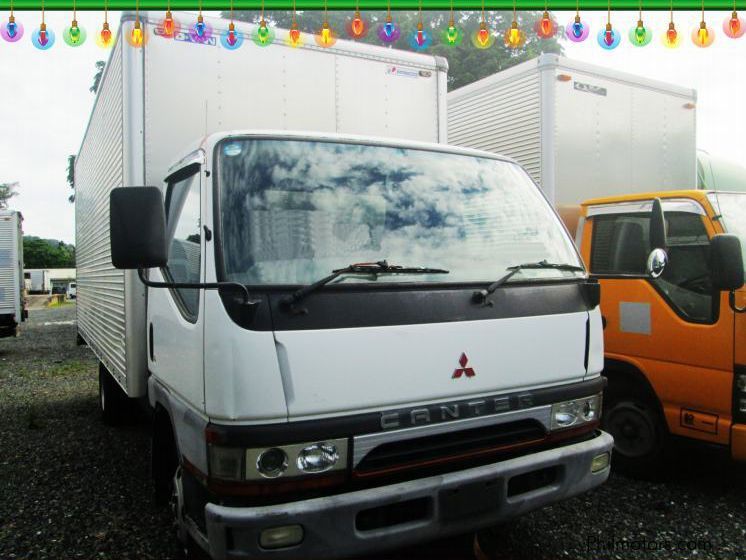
x=112, y=401
x=641, y=439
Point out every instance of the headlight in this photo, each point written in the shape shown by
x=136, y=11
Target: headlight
x=278, y=461
x=576, y=412
x=317, y=458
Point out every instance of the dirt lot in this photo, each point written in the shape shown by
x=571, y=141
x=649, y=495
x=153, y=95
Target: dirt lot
x=71, y=487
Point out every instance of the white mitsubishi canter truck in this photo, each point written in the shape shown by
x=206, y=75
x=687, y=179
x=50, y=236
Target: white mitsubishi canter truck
x=348, y=342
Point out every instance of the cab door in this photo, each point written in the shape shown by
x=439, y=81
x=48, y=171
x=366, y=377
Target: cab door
x=675, y=329
x=176, y=316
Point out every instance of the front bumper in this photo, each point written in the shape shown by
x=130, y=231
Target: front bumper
x=456, y=502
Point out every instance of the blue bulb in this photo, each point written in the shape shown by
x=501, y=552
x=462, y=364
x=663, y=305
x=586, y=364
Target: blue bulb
x=388, y=28
x=577, y=29
x=200, y=29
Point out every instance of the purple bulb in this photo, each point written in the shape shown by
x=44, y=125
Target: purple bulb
x=577, y=29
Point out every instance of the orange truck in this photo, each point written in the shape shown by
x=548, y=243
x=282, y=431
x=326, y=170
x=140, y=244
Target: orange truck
x=672, y=299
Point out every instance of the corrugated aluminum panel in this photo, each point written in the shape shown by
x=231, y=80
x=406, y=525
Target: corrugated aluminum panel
x=98, y=169
x=502, y=118
x=10, y=281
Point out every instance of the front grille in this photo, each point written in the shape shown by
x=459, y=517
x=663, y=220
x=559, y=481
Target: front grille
x=452, y=446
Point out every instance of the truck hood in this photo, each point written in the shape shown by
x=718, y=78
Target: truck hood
x=333, y=371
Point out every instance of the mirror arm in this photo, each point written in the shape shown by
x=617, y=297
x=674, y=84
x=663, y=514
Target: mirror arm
x=200, y=286
x=732, y=302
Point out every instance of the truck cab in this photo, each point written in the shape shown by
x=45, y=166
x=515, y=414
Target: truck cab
x=327, y=357
x=674, y=356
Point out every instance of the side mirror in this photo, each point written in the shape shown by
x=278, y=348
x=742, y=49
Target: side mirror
x=726, y=262
x=137, y=224
x=658, y=258
x=657, y=261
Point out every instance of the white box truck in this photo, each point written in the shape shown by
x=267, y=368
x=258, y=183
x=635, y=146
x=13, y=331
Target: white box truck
x=351, y=337
x=12, y=304
x=581, y=130
x=40, y=282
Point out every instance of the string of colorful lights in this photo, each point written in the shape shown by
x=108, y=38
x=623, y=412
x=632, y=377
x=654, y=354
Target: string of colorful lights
x=388, y=32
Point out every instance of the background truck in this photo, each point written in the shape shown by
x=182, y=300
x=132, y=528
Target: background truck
x=581, y=130
x=12, y=305
x=39, y=281
x=315, y=318
x=674, y=360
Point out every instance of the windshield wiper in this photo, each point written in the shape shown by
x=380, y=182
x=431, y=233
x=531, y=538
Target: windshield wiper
x=380, y=267
x=480, y=296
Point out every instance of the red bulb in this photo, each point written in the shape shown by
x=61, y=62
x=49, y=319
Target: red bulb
x=357, y=26
x=608, y=37
x=295, y=35
x=546, y=26
x=43, y=37
x=420, y=37
x=671, y=35
x=483, y=36
x=735, y=25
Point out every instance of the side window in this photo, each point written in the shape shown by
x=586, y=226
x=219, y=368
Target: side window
x=621, y=246
x=184, y=232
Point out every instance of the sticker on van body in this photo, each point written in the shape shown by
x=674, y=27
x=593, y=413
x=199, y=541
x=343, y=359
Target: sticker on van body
x=634, y=318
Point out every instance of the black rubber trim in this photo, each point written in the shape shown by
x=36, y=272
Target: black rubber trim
x=347, y=426
x=377, y=305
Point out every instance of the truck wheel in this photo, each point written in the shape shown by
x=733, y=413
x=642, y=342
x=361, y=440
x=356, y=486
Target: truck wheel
x=111, y=399
x=640, y=437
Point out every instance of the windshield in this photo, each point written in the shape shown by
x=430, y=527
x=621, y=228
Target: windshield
x=732, y=210
x=292, y=211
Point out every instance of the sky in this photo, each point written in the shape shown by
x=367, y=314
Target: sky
x=45, y=102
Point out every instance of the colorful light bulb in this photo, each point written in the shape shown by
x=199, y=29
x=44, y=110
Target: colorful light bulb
x=671, y=37
x=703, y=36
x=733, y=26
x=326, y=37
x=357, y=27
x=482, y=38
x=201, y=31
x=546, y=28
x=420, y=39
x=452, y=36
x=43, y=38
x=12, y=30
x=105, y=38
x=169, y=27
x=577, y=30
x=609, y=38
x=389, y=32
x=230, y=38
x=264, y=34
x=74, y=35
x=295, y=37
x=514, y=38
x=640, y=35
x=137, y=37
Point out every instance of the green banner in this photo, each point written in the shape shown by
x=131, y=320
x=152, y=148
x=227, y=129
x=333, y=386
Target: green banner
x=616, y=5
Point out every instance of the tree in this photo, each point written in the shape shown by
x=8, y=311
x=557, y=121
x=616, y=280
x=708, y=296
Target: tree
x=466, y=62
x=47, y=253
x=100, y=65
x=7, y=191
x=71, y=176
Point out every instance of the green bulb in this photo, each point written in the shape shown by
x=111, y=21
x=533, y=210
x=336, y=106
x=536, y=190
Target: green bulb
x=640, y=33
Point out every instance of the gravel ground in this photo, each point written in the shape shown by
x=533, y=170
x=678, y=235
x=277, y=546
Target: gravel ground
x=71, y=487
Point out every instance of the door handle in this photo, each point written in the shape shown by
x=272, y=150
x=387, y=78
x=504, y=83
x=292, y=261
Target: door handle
x=150, y=343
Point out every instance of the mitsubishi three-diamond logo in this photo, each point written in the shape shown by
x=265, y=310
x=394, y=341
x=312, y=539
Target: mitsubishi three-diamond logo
x=463, y=370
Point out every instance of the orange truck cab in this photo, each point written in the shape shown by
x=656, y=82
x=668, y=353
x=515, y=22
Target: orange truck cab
x=675, y=340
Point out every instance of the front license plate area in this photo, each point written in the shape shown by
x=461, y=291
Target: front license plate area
x=469, y=500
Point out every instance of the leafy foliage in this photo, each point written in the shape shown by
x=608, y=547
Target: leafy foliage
x=7, y=191
x=466, y=63
x=100, y=65
x=71, y=176
x=47, y=253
